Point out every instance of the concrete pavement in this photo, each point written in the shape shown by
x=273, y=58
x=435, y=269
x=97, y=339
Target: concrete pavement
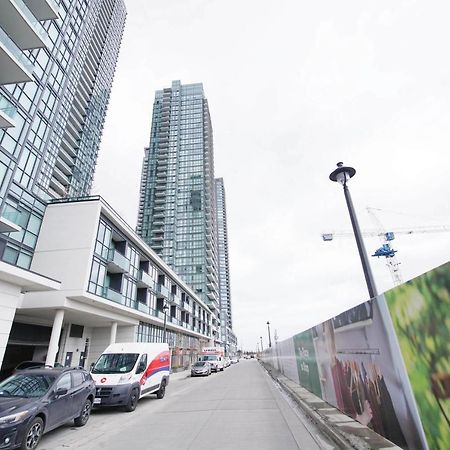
x=239, y=408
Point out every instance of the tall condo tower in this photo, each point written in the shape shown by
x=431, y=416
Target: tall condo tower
x=227, y=335
x=177, y=207
x=57, y=62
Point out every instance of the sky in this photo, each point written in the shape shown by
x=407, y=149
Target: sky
x=294, y=87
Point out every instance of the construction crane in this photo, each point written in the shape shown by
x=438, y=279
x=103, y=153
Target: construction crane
x=386, y=238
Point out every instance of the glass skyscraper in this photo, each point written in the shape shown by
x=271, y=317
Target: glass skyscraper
x=227, y=335
x=57, y=62
x=177, y=215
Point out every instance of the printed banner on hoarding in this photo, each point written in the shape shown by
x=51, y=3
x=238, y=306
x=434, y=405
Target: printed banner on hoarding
x=420, y=312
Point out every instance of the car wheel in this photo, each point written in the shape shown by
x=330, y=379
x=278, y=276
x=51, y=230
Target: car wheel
x=162, y=390
x=132, y=400
x=33, y=434
x=82, y=419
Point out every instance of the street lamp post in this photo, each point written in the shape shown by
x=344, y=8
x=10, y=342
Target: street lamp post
x=262, y=348
x=165, y=308
x=268, y=331
x=341, y=175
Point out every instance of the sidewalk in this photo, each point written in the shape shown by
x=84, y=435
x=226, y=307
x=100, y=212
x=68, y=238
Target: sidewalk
x=180, y=375
x=343, y=430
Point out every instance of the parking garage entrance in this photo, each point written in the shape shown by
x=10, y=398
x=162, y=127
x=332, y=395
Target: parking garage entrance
x=26, y=343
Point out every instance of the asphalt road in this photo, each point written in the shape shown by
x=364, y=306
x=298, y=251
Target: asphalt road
x=240, y=408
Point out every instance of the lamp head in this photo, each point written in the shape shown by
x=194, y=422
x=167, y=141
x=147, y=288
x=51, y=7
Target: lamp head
x=342, y=174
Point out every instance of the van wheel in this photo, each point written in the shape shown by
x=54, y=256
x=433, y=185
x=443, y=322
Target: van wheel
x=132, y=400
x=162, y=390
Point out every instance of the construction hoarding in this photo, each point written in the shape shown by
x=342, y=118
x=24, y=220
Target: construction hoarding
x=385, y=362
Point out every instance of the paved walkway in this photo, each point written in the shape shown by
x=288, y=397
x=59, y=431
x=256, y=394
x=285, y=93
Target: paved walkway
x=346, y=432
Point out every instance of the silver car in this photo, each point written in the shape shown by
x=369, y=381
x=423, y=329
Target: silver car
x=200, y=368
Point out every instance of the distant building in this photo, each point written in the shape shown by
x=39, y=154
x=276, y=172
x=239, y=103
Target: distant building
x=177, y=215
x=227, y=335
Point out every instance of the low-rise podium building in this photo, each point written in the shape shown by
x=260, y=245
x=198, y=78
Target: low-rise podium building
x=114, y=288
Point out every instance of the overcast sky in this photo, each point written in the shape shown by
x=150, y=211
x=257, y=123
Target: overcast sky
x=293, y=88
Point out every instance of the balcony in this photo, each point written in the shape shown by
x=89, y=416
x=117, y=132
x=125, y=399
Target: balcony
x=145, y=280
x=117, y=263
x=7, y=113
x=58, y=187
x=113, y=295
x=162, y=291
x=63, y=166
x=9, y=221
x=60, y=176
x=21, y=25
x=16, y=68
x=43, y=9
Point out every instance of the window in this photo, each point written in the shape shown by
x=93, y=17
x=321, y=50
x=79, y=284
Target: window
x=76, y=331
x=77, y=379
x=64, y=382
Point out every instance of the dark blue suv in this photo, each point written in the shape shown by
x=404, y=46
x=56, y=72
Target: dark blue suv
x=34, y=401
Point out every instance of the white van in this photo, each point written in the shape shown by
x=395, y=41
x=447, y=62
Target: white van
x=126, y=372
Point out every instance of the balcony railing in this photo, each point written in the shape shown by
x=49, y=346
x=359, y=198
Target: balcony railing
x=162, y=291
x=113, y=295
x=145, y=280
x=117, y=263
x=9, y=112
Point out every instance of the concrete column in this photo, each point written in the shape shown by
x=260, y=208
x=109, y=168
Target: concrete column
x=112, y=336
x=54, y=338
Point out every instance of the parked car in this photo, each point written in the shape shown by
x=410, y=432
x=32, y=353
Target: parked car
x=226, y=361
x=35, y=401
x=234, y=360
x=200, y=368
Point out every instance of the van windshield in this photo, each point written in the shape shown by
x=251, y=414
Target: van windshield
x=115, y=363
x=209, y=358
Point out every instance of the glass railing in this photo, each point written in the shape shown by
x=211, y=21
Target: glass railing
x=113, y=295
x=160, y=289
x=118, y=259
x=15, y=51
x=13, y=216
x=7, y=107
x=32, y=19
x=145, y=278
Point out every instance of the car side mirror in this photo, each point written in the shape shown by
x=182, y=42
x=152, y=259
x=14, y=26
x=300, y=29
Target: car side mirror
x=61, y=391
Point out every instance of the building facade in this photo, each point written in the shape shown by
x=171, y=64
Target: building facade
x=227, y=336
x=177, y=215
x=57, y=63
x=114, y=288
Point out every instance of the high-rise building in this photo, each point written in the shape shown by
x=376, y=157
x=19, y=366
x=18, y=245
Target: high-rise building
x=177, y=215
x=57, y=62
x=227, y=336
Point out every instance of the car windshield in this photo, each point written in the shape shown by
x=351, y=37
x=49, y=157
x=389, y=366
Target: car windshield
x=26, y=385
x=115, y=363
x=199, y=364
